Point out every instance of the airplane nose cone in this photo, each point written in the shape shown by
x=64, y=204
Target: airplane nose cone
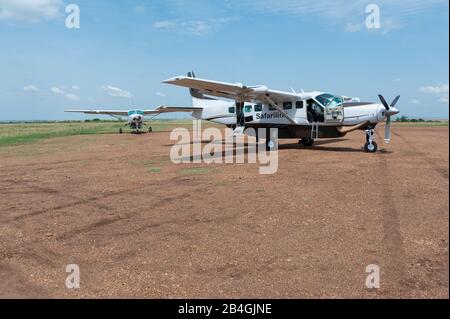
x=392, y=111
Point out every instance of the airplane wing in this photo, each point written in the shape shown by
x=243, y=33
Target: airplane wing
x=234, y=91
x=100, y=112
x=239, y=92
x=173, y=109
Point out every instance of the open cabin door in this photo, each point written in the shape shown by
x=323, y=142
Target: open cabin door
x=240, y=116
x=240, y=119
x=334, y=111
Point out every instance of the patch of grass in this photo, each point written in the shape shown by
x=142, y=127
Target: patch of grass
x=224, y=183
x=148, y=165
x=16, y=134
x=27, y=133
x=422, y=124
x=196, y=171
x=154, y=169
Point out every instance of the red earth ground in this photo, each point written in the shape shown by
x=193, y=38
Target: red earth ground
x=140, y=226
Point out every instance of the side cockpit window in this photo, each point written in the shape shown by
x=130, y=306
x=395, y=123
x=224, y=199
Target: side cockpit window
x=287, y=105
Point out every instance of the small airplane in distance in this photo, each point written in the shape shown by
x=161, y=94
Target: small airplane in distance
x=305, y=115
x=135, y=117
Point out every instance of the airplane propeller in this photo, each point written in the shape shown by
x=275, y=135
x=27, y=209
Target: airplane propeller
x=390, y=110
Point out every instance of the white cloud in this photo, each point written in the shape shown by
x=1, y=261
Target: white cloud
x=160, y=94
x=441, y=91
x=31, y=88
x=390, y=24
x=115, y=91
x=57, y=90
x=395, y=14
x=30, y=10
x=444, y=99
x=75, y=87
x=139, y=8
x=414, y=101
x=438, y=89
x=396, y=80
x=339, y=9
x=165, y=24
x=354, y=27
x=71, y=96
x=61, y=90
x=193, y=27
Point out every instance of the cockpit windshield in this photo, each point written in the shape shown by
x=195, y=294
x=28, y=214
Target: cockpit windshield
x=133, y=112
x=329, y=100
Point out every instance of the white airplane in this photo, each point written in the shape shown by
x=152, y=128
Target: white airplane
x=135, y=117
x=306, y=115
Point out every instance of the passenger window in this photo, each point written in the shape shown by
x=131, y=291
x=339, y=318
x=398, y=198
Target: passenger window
x=248, y=109
x=258, y=107
x=299, y=104
x=287, y=105
x=232, y=110
x=272, y=108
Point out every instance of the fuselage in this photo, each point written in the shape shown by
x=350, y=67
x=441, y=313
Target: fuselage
x=304, y=111
x=135, y=119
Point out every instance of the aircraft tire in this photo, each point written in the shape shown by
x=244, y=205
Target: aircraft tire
x=371, y=148
x=269, y=145
x=307, y=142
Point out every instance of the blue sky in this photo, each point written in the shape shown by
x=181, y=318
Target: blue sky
x=124, y=49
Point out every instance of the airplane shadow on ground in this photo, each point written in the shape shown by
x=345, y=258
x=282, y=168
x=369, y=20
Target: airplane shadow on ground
x=320, y=146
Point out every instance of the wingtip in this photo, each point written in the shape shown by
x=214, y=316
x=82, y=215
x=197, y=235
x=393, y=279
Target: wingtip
x=174, y=79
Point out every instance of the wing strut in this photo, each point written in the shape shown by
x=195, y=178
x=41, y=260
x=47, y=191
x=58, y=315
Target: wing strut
x=280, y=109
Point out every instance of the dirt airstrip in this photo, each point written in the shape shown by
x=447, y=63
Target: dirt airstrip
x=139, y=226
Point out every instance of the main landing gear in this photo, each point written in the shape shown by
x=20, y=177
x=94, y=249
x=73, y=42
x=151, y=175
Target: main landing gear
x=271, y=141
x=270, y=145
x=370, y=146
x=307, y=141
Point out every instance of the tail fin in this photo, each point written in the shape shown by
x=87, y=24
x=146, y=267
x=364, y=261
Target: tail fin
x=198, y=99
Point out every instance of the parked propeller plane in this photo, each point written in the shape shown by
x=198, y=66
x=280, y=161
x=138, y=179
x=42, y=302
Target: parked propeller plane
x=307, y=115
x=135, y=117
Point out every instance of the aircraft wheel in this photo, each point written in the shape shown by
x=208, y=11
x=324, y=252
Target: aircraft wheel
x=270, y=145
x=307, y=142
x=371, y=148
x=120, y=131
x=150, y=129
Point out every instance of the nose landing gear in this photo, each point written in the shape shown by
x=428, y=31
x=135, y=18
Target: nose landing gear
x=370, y=146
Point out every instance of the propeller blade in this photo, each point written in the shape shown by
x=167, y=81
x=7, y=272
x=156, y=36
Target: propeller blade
x=395, y=101
x=383, y=101
x=387, y=132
